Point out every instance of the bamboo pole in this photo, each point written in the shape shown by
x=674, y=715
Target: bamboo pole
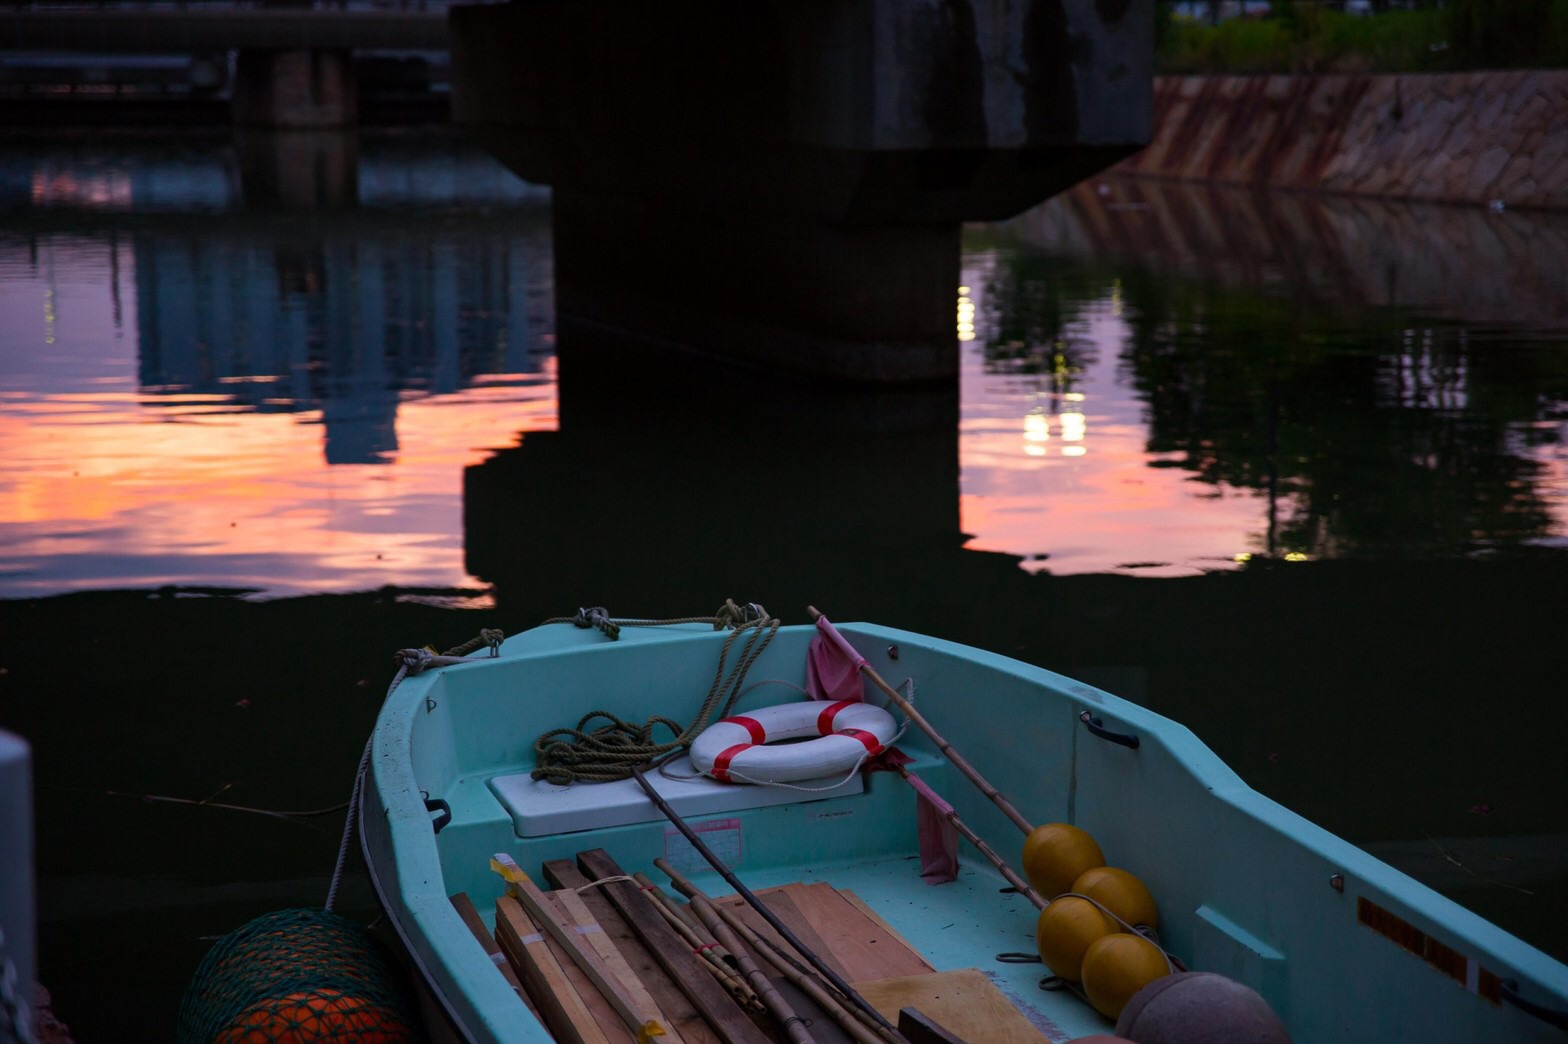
x=761, y=907
x=793, y=1026
x=733, y=982
x=959, y=761
x=948, y=812
x=853, y=1022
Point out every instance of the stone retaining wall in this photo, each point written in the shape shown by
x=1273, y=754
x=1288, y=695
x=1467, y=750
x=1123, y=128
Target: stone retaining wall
x=1470, y=137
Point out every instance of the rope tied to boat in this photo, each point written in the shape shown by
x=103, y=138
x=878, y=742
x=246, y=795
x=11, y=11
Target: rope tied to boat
x=607, y=752
x=599, y=618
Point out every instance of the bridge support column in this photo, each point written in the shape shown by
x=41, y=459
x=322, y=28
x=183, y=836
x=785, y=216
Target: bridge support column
x=297, y=170
x=299, y=89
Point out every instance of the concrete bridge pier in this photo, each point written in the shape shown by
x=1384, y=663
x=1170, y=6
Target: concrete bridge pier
x=782, y=183
x=296, y=115
x=300, y=89
x=297, y=170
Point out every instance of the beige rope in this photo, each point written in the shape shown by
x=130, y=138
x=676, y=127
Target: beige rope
x=603, y=748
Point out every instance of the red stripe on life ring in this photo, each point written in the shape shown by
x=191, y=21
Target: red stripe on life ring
x=872, y=744
x=751, y=725
x=721, y=764
x=825, y=719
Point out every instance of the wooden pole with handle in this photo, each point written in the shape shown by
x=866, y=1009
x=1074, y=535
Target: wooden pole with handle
x=958, y=760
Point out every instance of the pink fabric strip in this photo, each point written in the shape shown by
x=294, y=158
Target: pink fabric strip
x=830, y=632
x=937, y=801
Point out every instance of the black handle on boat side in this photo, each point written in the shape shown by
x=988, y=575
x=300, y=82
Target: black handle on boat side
x=1126, y=739
x=1550, y=1016
x=438, y=805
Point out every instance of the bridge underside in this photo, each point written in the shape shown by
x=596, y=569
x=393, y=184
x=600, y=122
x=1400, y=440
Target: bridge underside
x=782, y=183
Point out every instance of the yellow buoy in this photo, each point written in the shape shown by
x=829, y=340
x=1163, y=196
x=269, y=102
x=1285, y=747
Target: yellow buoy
x=1065, y=931
x=1117, y=966
x=1055, y=854
x=1119, y=892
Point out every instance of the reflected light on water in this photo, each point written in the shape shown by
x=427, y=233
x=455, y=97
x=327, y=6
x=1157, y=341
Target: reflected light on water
x=966, y=315
x=1065, y=510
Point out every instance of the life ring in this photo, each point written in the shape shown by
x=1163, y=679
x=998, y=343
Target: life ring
x=847, y=732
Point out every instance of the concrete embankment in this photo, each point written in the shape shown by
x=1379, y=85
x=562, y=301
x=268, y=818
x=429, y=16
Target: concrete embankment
x=1470, y=137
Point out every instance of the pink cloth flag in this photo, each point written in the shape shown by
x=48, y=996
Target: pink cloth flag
x=832, y=666
x=833, y=673
x=937, y=835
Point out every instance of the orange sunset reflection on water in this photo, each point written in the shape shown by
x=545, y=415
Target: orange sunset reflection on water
x=1056, y=467
x=110, y=483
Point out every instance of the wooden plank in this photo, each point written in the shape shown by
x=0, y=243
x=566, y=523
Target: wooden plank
x=965, y=1003
x=527, y=948
x=855, y=940
x=876, y=918
x=563, y=873
x=604, y=1016
x=918, y=1028
x=824, y=1029
x=574, y=913
x=476, y=924
x=671, y=951
x=633, y=1007
x=784, y=909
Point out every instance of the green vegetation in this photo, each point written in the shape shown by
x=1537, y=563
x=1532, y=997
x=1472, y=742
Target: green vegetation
x=1302, y=36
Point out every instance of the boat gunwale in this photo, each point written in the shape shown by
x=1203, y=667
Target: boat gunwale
x=407, y=820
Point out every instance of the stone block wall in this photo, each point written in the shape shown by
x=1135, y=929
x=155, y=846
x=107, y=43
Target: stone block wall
x=1473, y=137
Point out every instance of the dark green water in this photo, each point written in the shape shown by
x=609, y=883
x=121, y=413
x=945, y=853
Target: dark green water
x=1290, y=471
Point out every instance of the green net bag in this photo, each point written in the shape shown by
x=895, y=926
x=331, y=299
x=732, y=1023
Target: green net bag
x=295, y=976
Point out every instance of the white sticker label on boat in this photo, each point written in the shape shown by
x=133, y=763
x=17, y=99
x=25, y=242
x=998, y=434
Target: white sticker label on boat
x=722, y=836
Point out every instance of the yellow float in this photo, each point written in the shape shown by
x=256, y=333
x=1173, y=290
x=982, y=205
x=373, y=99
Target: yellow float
x=1117, y=966
x=1066, y=929
x=1055, y=854
x=1119, y=892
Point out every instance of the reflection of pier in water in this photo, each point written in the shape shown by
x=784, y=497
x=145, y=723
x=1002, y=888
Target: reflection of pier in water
x=1462, y=264
x=390, y=267
x=342, y=319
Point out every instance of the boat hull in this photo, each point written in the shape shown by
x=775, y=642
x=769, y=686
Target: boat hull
x=1342, y=946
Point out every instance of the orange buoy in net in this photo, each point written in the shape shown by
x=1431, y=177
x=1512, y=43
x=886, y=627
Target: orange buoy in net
x=297, y=976
x=312, y=1015
x=1118, y=966
x=1119, y=892
x=1065, y=930
x=1055, y=854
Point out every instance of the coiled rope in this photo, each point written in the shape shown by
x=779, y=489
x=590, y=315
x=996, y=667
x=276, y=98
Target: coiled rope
x=608, y=751
x=603, y=754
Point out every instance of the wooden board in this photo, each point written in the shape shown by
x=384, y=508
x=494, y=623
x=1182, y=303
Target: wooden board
x=564, y=1011
x=965, y=1003
x=822, y=1026
x=476, y=924
x=631, y=1006
x=876, y=918
x=852, y=942
x=860, y=944
x=785, y=910
x=710, y=998
x=573, y=912
x=666, y=994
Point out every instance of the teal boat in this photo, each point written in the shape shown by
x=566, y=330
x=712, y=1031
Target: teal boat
x=1341, y=946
